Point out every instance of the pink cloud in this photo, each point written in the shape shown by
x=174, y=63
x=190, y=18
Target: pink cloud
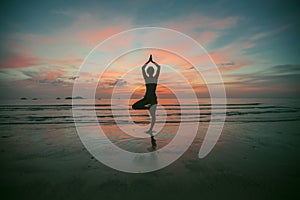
x=23, y=60
x=50, y=76
x=207, y=37
x=20, y=61
x=76, y=61
x=95, y=36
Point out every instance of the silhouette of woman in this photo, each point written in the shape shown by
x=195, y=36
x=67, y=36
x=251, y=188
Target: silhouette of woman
x=149, y=101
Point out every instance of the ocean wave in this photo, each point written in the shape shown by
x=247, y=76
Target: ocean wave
x=113, y=122
x=175, y=113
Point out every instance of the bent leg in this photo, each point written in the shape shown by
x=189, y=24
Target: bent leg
x=140, y=105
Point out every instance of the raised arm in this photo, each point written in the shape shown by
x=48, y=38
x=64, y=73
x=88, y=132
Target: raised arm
x=144, y=70
x=158, y=69
x=144, y=67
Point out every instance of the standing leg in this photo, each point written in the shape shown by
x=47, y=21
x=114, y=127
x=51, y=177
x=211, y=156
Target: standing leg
x=152, y=112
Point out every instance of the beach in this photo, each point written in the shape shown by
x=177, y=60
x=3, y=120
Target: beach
x=256, y=156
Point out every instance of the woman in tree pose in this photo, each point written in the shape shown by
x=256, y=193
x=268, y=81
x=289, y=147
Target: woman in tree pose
x=149, y=101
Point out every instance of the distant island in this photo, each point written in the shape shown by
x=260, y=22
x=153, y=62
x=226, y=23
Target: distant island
x=57, y=98
x=78, y=97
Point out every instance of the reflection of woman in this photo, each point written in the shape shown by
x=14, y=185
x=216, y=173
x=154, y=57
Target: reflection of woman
x=149, y=101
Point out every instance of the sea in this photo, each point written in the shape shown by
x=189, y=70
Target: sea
x=20, y=112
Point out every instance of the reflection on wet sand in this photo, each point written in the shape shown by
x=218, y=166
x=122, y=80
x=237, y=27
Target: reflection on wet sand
x=153, y=141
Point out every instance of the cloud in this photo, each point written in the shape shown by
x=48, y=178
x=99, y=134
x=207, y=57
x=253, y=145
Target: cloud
x=284, y=69
x=206, y=37
x=24, y=60
x=89, y=29
x=64, y=12
x=118, y=83
x=272, y=32
x=204, y=29
x=194, y=22
x=39, y=74
x=14, y=61
x=33, y=38
x=276, y=81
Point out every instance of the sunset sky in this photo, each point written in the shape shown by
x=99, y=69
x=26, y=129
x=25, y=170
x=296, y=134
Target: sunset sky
x=255, y=44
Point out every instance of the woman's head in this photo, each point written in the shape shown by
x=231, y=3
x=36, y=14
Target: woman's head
x=150, y=71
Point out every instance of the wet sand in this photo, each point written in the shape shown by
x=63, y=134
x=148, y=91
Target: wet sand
x=251, y=161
